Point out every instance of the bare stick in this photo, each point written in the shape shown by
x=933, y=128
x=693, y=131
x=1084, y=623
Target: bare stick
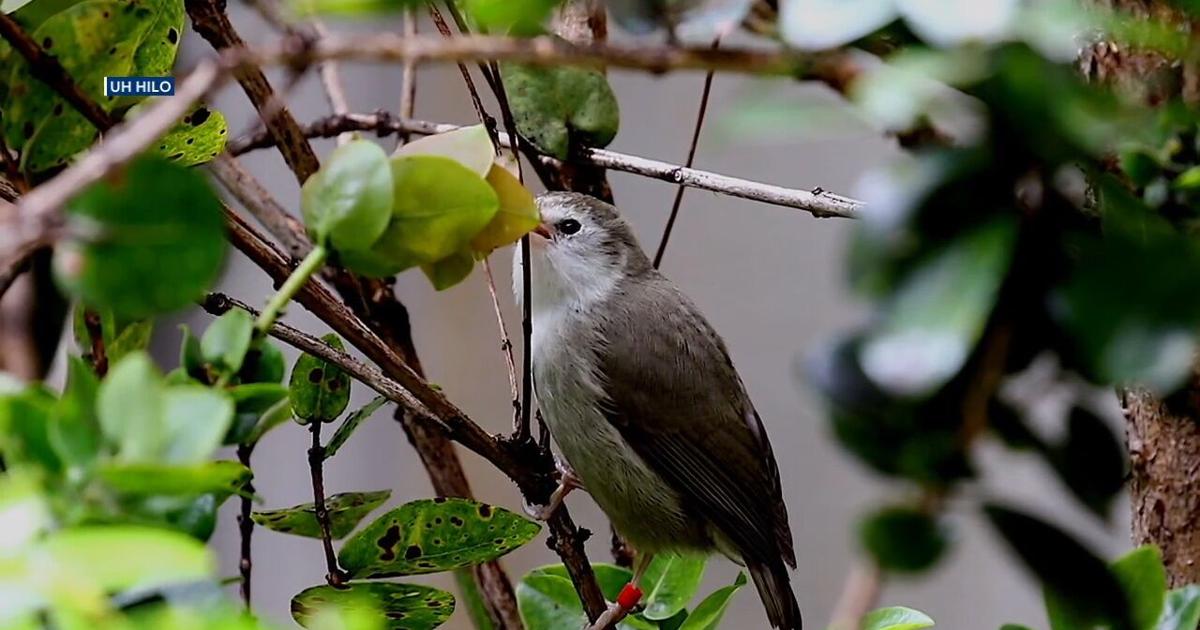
x=817, y=202
x=316, y=467
x=505, y=347
x=691, y=158
x=245, y=527
x=408, y=83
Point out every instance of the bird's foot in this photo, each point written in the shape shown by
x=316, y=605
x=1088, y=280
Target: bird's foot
x=564, y=474
x=566, y=483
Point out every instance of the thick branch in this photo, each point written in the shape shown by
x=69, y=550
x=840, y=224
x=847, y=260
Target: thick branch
x=211, y=22
x=820, y=204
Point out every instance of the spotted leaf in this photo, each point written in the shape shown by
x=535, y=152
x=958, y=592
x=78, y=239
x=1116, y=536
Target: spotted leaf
x=431, y=535
x=198, y=138
x=404, y=606
x=319, y=390
x=345, y=511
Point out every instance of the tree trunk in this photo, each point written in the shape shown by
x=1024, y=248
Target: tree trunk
x=1163, y=436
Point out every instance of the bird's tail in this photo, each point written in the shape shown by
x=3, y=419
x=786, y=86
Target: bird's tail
x=775, y=590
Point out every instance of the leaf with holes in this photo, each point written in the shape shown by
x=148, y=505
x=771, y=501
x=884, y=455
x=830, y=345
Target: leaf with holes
x=351, y=423
x=431, y=535
x=198, y=138
x=404, y=606
x=345, y=511
x=561, y=108
x=91, y=40
x=518, y=212
x=319, y=390
x=150, y=241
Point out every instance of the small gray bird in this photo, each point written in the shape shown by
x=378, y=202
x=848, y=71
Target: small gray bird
x=645, y=405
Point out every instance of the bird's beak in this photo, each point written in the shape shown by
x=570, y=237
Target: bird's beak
x=542, y=230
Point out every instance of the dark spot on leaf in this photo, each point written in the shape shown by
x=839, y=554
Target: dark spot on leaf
x=335, y=385
x=222, y=132
x=425, y=564
x=498, y=541
x=143, y=12
x=112, y=51
x=437, y=542
x=47, y=43
x=428, y=525
x=177, y=156
x=58, y=109
x=190, y=140
x=315, y=375
x=439, y=499
x=395, y=614
x=437, y=521
x=485, y=511
x=200, y=115
x=172, y=35
x=413, y=552
x=27, y=129
x=106, y=15
x=389, y=540
x=455, y=521
x=434, y=603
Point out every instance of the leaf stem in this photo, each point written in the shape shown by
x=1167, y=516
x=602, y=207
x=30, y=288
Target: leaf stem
x=310, y=265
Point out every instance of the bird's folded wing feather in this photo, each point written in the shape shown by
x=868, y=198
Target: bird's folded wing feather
x=675, y=397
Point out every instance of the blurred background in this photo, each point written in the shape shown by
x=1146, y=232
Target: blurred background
x=768, y=278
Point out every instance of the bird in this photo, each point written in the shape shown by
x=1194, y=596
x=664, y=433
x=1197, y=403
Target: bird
x=644, y=404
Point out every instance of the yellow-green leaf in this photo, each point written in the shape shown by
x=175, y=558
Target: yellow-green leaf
x=517, y=216
x=198, y=138
x=469, y=146
x=449, y=271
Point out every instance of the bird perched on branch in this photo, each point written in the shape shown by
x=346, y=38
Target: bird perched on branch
x=645, y=405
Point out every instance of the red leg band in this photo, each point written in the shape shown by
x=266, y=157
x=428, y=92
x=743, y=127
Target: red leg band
x=629, y=597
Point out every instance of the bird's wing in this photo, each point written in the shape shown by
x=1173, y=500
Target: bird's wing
x=675, y=397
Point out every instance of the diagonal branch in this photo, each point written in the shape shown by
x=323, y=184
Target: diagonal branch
x=817, y=202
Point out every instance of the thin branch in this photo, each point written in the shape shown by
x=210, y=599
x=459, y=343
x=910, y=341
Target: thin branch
x=48, y=70
x=408, y=83
x=818, y=202
x=489, y=123
x=505, y=347
x=211, y=22
x=691, y=158
x=245, y=527
x=255, y=198
x=331, y=80
x=97, y=354
x=316, y=469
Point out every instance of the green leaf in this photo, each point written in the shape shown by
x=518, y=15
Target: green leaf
x=1091, y=461
x=133, y=337
x=896, y=618
x=1078, y=584
x=196, y=421
x=449, y=271
x=404, y=606
x=319, y=390
x=263, y=364
x=518, y=212
x=431, y=535
x=610, y=577
x=1014, y=626
x=1144, y=579
x=1182, y=609
x=840, y=22
x=351, y=423
x=91, y=40
x=131, y=405
x=25, y=435
x=278, y=414
x=469, y=146
x=153, y=242
x=220, y=477
x=345, y=511
x=547, y=601
x=902, y=539
x=440, y=206
x=74, y=429
x=561, y=108
x=197, y=139
x=227, y=339
x=353, y=8
x=707, y=614
x=252, y=402
x=669, y=583
x=123, y=557
x=935, y=318
x=348, y=203
x=523, y=18
x=190, y=358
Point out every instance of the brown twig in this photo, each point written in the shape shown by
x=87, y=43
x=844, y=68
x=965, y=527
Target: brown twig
x=96, y=351
x=691, y=158
x=245, y=527
x=316, y=469
x=506, y=348
x=408, y=82
x=211, y=22
x=819, y=204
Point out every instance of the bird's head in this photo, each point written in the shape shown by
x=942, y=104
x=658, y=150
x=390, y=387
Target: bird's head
x=582, y=247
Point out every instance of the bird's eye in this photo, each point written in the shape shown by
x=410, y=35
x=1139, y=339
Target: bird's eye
x=568, y=226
